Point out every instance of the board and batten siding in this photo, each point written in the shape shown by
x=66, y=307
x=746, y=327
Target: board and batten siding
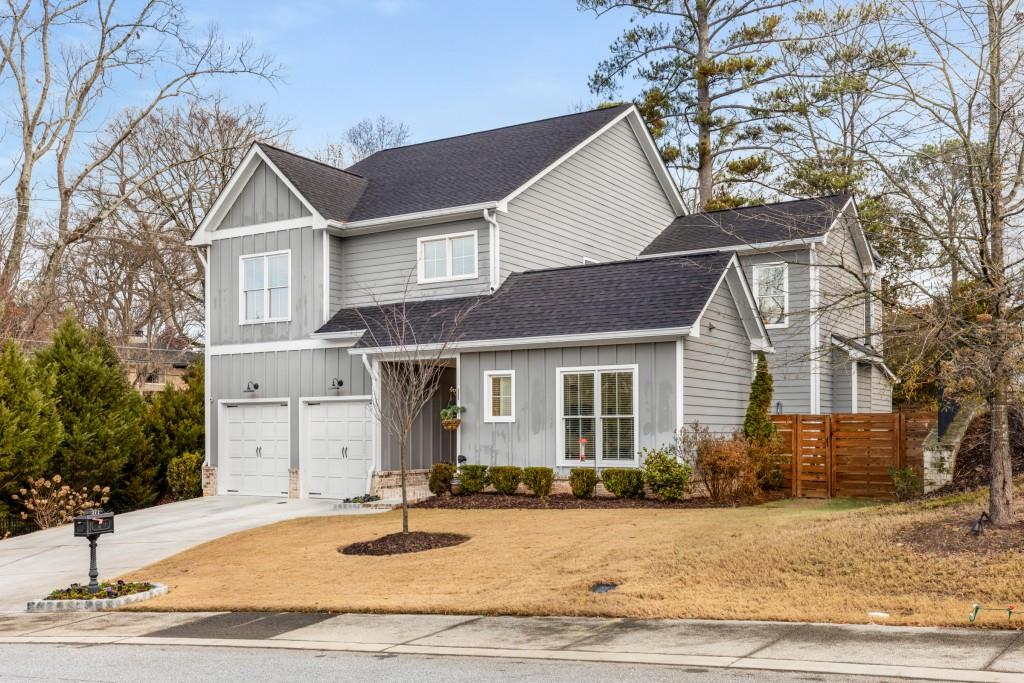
x=284, y=374
x=382, y=267
x=717, y=367
x=603, y=203
x=306, y=246
x=531, y=441
x=263, y=199
x=429, y=442
x=790, y=365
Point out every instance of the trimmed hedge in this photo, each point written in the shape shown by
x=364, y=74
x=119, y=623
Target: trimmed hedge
x=185, y=476
x=441, y=475
x=539, y=480
x=473, y=478
x=583, y=482
x=505, y=479
x=666, y=476
x=623, y=482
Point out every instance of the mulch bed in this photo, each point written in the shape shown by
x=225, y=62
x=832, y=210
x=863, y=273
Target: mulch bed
x=973, y=461
x=950, y=537
x=494, y=501
x=396, y=544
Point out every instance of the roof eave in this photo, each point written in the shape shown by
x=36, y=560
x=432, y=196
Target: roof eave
x=408, y=220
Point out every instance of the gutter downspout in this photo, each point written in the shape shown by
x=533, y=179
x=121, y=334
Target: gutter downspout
x=207, y=398
x=493, y=242
x=375, y=393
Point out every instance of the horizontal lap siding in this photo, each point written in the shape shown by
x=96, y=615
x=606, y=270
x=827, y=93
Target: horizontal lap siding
x=381, y=268
x=532, y=439
x=881, y=391
x=306, y=286
x=283, y=374
x=842, y=383
x=790, y=365
x=603, y=203
x=717, y=367
x=864, y=404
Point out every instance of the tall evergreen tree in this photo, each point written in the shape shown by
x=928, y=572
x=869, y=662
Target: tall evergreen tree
x=102, y=416
x=757, y=425
x=30, y=428
x=175, y=423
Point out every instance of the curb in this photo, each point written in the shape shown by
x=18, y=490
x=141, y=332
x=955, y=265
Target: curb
x=36, y=606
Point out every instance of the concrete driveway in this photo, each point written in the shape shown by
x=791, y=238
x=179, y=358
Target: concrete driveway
x=33, y=565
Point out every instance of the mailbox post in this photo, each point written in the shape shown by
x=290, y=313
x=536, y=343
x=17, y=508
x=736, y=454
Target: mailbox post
x=91, y=524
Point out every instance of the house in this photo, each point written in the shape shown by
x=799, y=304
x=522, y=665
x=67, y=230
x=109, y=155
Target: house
x=544, y=242
x=811, y=269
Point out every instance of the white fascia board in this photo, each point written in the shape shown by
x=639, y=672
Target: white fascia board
x=409, y=220
x=259, y=228
x=860, y=239
x=287, y=345
x=858, y=355
x=346, y=334
x=733, y=271
x=203, y=235
x=587, y=339
x=743, y=248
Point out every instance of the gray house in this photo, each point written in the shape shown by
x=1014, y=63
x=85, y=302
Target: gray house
x=577, y=314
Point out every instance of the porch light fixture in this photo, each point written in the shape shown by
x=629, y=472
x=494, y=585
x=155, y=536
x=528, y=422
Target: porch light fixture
x=336, y=384
x=251, y=387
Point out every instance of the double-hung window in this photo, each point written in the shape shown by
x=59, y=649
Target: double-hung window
x=265, y=287
x=771, y=291
x=597, y=415
x=447, y=257
x=500, y=396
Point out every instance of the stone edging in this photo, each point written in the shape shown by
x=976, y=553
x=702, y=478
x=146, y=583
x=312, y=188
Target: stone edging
x=98, y=605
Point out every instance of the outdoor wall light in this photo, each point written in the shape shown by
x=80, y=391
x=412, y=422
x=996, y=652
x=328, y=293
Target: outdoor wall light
x=336, y=384
x=251, y=387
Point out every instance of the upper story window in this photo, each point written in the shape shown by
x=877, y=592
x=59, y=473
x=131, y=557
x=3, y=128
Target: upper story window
x=447, y=257
x=771, y=291
x=265, y=287
x=499, y=396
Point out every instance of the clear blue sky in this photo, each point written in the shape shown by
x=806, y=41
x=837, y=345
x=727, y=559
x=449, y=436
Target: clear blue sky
x=444, y=67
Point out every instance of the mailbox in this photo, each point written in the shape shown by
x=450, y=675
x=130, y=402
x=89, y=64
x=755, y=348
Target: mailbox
x=94, y=523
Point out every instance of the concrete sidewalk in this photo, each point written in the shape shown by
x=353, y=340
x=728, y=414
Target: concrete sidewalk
x=887, y=652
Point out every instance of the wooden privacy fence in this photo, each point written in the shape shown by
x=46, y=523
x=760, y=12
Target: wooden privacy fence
x=849, y=454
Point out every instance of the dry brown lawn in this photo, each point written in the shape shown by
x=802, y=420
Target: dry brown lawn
x=790, y=560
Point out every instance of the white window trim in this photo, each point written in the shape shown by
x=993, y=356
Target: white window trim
x=266, y=290
x=785, y=293
x=421, y=277
x=488, y=396
x=561, y=460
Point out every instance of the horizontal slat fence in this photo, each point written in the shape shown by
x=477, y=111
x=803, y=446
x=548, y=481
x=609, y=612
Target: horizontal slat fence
x=850, y=454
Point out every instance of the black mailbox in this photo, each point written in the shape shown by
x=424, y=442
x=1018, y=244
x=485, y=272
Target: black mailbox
x=94, y=523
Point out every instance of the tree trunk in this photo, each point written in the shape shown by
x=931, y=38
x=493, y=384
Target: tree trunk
x=1000, y=507
x=705, y=178
x=403, y=447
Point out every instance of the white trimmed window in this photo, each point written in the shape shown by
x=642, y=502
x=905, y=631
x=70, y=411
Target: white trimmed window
x=771, y=291
x=597, y=415
x=265, y=287
x=447, y=257
x=500, y=396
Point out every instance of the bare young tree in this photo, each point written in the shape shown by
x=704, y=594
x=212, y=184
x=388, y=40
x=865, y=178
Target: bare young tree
x=64, y=61
x=418, y=337
x=370, y=136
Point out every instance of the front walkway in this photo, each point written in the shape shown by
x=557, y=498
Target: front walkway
x=33, y=565
x=886, y=652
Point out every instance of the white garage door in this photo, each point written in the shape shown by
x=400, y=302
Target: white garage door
x=257, y=448
x=339, y=448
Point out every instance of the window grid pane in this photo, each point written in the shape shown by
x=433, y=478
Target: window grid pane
x=463, y=258
x=279, y=302
x=575, y=428
x=770, y=282
x=501, y=396
x=253, y=274
x=435, y=259
x=277, y=271
x=254, y=305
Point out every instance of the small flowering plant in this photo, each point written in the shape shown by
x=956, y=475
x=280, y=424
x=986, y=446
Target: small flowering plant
x=107, y=589
x=50, y=502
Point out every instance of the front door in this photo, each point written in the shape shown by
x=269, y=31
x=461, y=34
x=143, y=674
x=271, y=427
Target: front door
x=339, y=448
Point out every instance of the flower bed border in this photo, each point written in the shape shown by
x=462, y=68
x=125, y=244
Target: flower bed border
x=97, y=605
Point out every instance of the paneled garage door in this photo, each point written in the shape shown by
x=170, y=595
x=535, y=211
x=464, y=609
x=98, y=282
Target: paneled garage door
x=339, y=448
x=258, y=448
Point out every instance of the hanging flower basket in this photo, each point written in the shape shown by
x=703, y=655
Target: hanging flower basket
x=451, y=424
x=451, y=416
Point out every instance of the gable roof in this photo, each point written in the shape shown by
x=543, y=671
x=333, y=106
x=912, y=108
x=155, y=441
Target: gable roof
x=333, y=192
x=641, y=295
x=799, y=219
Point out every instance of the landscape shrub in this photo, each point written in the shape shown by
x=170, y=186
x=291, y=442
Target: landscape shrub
x=173, y=423
x=764, y=446
x=441, y=475
x=768, y=461
x=505, y=479
x=539, y=480
x=623, y=482
x=667, y=477
x=726, y=470
x=473, y=478
x=51, y=502
x=185, y=476
x=583, y=482
x=907, y=483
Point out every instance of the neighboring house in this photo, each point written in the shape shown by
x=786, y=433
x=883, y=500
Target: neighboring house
x=810, y=267
x=151, y=369
x=536, y=230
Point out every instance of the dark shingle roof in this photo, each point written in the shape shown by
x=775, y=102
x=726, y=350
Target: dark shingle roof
x=642, y=294
x=797, y=219
x=333, y=192
x=857, y=346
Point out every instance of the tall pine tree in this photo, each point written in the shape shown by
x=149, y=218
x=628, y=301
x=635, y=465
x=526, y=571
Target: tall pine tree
x=30, y=428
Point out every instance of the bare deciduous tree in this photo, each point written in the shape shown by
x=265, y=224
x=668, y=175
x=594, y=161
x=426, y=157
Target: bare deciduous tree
x=373, y=135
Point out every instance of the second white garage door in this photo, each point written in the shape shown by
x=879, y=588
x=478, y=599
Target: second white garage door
x=339, y=448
